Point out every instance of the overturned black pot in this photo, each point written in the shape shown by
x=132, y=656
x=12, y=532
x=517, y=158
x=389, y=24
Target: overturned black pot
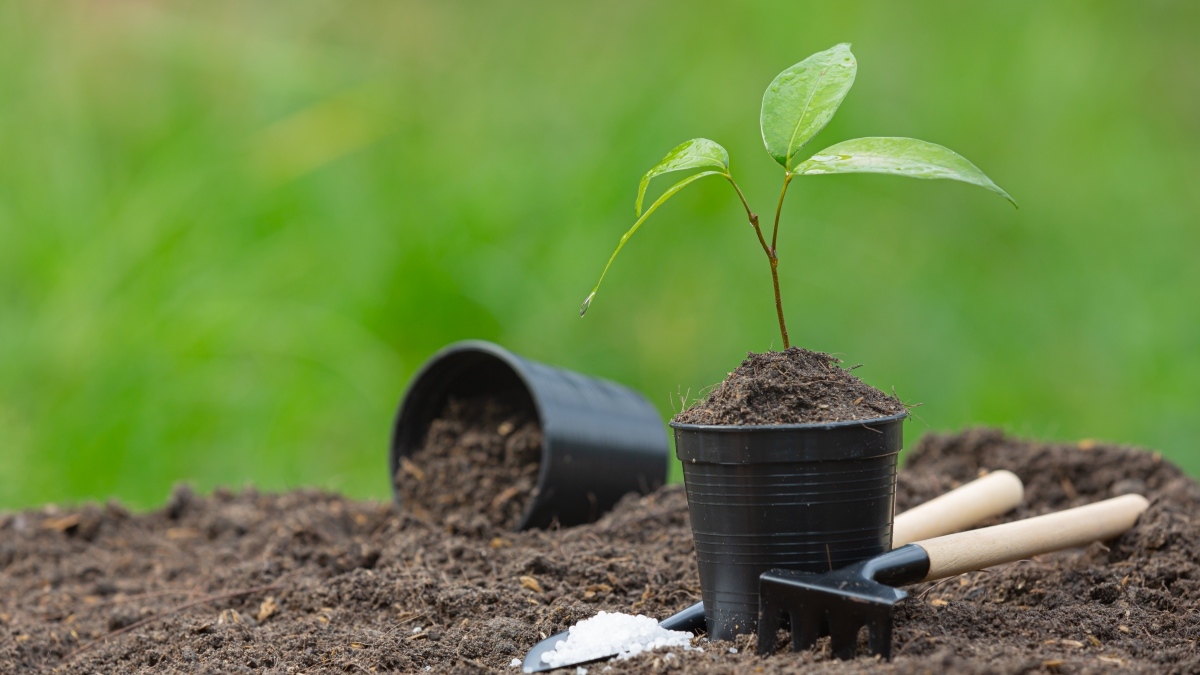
x=600, y=440
x=810, y=497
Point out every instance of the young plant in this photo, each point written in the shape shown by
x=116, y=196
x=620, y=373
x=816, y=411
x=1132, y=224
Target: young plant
x=799, y=102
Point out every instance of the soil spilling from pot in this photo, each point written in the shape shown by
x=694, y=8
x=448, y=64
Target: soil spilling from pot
x=478, y=467
x=365, y=587
x=795, y=386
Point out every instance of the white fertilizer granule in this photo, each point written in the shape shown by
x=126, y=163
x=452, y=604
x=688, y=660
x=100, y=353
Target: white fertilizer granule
x=614, y=634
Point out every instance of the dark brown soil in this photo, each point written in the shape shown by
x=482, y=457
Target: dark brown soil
x=478, y=467
x=794, y=386
x=362, y=587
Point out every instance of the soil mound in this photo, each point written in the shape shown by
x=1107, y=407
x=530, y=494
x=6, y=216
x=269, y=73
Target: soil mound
x=795, y=386
x=1132, y=603
x=478, y=466
x=363, y=587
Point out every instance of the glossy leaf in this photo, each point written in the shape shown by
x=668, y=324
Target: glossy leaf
x=899, y=157
x=801, y=100
x=625, y=237
x=694, y=154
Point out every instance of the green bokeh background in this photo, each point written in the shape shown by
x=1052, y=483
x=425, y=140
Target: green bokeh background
x=230, y=232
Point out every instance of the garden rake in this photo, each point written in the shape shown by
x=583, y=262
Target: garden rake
x=840, y=602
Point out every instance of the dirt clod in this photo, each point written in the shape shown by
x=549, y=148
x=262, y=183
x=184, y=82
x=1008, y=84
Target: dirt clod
x=795, y=386
x=456, y=603
x=266, y=609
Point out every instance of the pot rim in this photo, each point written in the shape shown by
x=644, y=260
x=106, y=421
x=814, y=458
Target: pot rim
x=734, y=428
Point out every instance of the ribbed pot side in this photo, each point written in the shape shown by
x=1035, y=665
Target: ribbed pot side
x=811, y=497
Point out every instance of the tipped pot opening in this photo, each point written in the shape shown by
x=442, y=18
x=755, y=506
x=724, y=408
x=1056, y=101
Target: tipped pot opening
x=598, y=440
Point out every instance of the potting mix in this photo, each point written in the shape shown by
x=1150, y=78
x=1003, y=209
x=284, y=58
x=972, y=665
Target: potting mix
x=488, y=448
x=348, y=586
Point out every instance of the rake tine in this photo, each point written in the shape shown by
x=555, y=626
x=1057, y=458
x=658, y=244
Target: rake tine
x=843, y=635
x=769, y=615
x=880, y=640
x=807, y=626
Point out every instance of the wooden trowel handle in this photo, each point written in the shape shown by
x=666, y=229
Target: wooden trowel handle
x=969, y=551
x=994, y=494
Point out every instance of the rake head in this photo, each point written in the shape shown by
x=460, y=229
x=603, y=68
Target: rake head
x=838, y=603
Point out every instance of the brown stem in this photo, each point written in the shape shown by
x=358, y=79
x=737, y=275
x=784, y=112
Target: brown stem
x=773, y=255
x=779, y=300
x=751, y=215
x=769, y=250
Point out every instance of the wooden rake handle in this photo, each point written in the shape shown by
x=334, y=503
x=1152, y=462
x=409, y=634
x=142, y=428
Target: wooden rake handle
x=970, y=551
x=992, y=495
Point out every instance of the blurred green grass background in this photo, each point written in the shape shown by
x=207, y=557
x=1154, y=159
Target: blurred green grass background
x=230, y=232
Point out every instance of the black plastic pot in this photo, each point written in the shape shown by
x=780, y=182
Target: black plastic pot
x=600, y=440
x=811, y=497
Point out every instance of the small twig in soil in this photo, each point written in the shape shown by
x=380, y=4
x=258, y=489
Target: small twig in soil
x=939, y=584
x=383, y=523
x=922, y=420
x=913, y=641
x=122, y=597
x=688, y=595
x=187, y=605
x=410, y=619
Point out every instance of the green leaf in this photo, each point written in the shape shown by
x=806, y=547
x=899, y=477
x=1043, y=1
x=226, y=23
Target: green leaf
x=900, y=157
x=693, y=154
x=801, y=100
x=625, y=237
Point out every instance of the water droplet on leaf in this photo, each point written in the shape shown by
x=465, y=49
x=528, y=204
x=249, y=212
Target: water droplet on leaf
x=586, y=303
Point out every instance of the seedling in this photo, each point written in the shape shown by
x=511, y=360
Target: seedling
x=799, y=102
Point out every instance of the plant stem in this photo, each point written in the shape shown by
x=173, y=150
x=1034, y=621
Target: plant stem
x=769, y=250
x=787, y=180
x=774, y=258
x=779, y=300
x=751, y=215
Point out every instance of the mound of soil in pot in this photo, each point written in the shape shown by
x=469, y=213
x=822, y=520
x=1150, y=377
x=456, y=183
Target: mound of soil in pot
x=795, y=386
x=477, y=469
x=346, y=586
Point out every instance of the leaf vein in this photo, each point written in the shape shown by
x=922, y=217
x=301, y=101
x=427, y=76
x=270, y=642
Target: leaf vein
x=790, y=152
